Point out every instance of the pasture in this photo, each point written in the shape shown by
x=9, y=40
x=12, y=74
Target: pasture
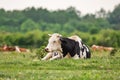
x=24, y=66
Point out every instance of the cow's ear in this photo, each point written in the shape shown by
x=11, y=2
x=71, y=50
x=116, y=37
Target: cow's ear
x=50, y=35
x=62, y=40
x=59, y=36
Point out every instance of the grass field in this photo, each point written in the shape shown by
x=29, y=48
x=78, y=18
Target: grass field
x=102, y=66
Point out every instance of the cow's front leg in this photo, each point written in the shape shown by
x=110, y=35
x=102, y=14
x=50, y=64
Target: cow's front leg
x=48, y=56
x=55, y=57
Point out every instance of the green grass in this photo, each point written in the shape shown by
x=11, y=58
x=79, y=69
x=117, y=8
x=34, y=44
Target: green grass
x=102, y=66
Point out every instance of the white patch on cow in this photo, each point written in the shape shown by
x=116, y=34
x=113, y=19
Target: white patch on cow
x=17, y=49
x=68, y=55
x=75, y=56
x=85, y=51
x=86, y=47
x=84, y=54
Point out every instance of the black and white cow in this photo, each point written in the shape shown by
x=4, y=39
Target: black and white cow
x=84, y=50
x=71, y=46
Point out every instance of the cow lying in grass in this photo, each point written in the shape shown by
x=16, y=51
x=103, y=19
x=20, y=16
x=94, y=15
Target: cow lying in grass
x=71, y=46
x=13, y=48
x=101, y=48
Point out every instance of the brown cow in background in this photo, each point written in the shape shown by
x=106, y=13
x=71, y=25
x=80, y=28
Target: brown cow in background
x=101, y=48
x=7, y=48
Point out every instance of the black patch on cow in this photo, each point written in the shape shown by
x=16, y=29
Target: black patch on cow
x=84, y=48
x=87, y=50
x=70, y=46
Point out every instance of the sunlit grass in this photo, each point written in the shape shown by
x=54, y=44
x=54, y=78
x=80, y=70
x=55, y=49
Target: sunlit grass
x=18, y=66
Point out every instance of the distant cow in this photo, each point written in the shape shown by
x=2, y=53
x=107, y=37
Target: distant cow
x=19, y=49
x=13, y=48
x=7, y=48
x=101, y=48
x=71, y=46
x=96, y=48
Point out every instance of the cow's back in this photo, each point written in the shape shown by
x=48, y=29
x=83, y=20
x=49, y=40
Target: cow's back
x=69, y=46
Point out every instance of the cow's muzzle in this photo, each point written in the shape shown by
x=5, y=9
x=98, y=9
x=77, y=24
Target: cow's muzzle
x=46, y=49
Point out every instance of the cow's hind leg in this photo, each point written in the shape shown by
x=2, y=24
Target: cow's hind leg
x=88, y=54
x=76, y=56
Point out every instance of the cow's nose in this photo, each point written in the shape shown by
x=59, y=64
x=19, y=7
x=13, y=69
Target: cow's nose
x=46, y=49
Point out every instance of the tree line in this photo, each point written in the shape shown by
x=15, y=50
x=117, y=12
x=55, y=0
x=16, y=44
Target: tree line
x=29, y=27
x=37, y=38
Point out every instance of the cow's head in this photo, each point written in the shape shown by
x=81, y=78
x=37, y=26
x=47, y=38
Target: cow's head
x=54, y=43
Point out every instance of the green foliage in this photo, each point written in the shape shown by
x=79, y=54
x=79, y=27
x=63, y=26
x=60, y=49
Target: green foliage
x=67, y=20
x=37, y=38
x=109, y=38
x=40, y=53
x=94, y=30
x=114, y=16
x=29, y=27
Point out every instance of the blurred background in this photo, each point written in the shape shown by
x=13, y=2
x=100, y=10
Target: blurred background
x=26, y=23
